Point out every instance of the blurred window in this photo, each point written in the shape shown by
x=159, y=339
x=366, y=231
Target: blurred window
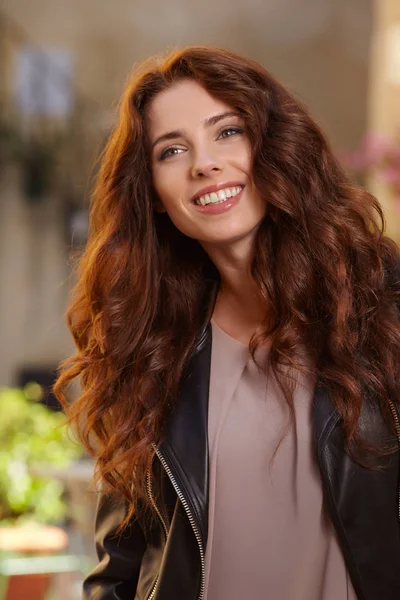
x=43, y=81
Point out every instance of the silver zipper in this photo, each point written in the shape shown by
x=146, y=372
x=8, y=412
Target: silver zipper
x=153, y=502
x=191, y=521
x=153, y=590
x=154, y=505
x=397, y=424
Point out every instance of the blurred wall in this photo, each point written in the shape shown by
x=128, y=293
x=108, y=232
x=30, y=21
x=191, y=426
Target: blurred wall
x=33, y=273
x=384, y=95
x=318, y=48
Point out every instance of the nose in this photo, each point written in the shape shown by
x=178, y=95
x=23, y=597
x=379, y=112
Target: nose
x=205, y=165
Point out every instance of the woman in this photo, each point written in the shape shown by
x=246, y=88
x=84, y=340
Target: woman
x=236, y=319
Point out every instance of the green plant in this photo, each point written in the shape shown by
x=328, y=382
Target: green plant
x=31, y=435
x=10, y=143
x=38, y=156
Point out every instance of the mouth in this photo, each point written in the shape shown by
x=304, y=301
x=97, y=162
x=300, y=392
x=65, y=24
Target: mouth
x=217, y=194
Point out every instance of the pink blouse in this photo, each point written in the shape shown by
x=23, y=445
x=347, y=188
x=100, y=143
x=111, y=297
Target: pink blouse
x=269, y=534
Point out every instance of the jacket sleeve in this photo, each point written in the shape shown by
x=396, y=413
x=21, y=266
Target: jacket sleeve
x=116, y=575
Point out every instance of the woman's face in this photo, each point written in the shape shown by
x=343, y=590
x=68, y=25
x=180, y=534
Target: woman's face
x=202, y=165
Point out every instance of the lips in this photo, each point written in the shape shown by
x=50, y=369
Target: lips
x=215, y=188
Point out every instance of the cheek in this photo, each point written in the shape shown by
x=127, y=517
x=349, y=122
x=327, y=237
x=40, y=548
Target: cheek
x=239, y=156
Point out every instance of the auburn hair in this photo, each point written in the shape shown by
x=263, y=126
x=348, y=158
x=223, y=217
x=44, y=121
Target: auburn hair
x=328, y=274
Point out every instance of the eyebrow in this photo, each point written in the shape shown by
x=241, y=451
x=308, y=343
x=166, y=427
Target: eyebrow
x=209, y=122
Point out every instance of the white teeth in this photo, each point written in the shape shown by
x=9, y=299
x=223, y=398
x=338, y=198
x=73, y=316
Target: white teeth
x=219, y=196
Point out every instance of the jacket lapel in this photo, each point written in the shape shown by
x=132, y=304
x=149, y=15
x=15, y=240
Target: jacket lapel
x=185, y=446
x=324, y=414
x=362, y=503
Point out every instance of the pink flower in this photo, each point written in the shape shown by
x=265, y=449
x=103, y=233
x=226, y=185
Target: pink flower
x=373, y=149
x=389, y=174
x=396, y=200
x=379, y=153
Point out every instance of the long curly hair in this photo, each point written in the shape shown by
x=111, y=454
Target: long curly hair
x=328, y=274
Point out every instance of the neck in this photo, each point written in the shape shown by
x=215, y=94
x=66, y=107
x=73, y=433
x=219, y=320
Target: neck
x=242, y=300
x=239, y=299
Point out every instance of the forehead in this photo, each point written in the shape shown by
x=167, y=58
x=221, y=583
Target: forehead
x=183, y=105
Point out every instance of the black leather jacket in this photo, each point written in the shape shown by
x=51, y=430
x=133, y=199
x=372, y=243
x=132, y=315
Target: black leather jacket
x=164, y=560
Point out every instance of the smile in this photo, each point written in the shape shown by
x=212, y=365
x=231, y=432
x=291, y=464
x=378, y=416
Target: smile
x=219, y=196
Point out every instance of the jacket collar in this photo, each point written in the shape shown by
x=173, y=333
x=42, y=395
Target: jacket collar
x=185, y=445
x=324, y=414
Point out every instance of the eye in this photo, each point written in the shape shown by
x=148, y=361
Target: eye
x=229, y=132
x=171, y=151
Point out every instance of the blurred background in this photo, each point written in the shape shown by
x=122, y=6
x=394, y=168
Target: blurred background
x=63, y=65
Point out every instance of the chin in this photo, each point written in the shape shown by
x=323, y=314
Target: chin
x=231, y=237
